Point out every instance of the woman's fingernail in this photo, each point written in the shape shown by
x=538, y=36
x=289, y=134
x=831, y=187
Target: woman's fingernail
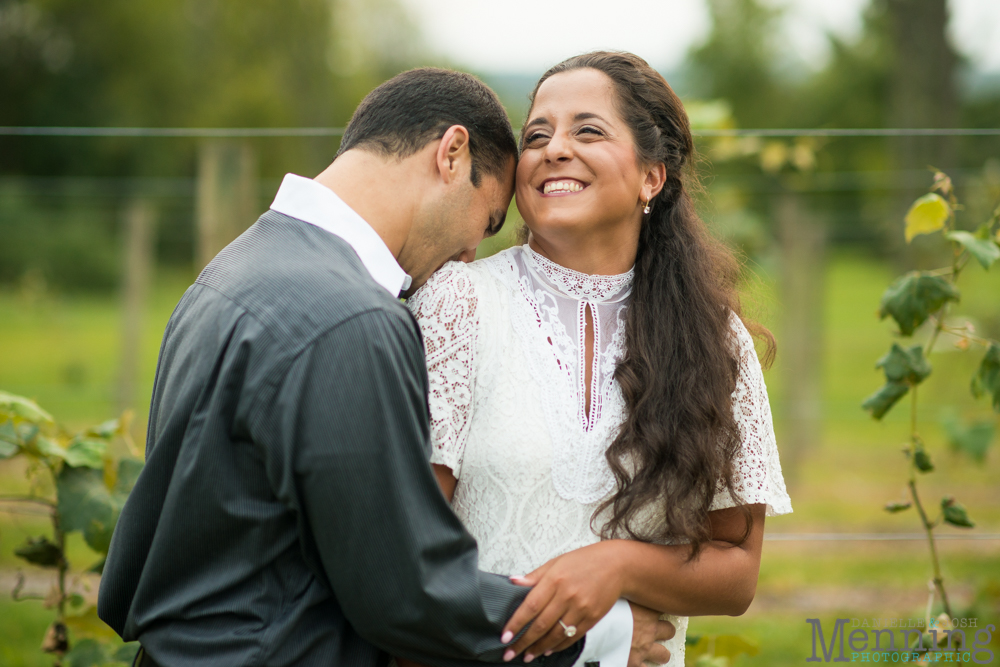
x=548, y=653
x=507, y=636
x=509, y=655
x=528, y=657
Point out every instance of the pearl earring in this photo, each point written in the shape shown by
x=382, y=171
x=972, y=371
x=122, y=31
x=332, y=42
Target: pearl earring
x=645, y=211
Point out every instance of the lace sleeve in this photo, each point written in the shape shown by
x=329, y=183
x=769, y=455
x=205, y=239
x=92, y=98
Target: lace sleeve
x=446, y=310
x=757, y=467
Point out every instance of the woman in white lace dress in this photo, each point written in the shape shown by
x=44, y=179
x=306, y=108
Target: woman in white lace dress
x=599, y=418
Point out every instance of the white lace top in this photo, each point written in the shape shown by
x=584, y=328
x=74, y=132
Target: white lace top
x=505, y=339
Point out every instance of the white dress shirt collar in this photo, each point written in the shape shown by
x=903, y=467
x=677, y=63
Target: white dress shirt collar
x=306, y=200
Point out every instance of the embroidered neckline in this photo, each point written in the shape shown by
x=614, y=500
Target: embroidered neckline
x=577, y=285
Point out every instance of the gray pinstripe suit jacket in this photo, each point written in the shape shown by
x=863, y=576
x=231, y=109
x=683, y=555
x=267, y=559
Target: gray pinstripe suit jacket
x=287, y=514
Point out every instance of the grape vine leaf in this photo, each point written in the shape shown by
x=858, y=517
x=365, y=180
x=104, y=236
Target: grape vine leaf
x=913, y=297
x=10, y=444
x=970, y=439
x=106, y=430
x=40, y=551
x=87, y=504
x=955, y=514
x=987, y=377
x=22, y=408
x=927, y=215
x=922, y=459
x=86, y=453
x=985, y=250
x=882, y=400
x=901, y=365
x=903, y=369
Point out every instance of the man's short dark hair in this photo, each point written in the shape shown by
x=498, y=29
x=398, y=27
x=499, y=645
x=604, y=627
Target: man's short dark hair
x=416, y=107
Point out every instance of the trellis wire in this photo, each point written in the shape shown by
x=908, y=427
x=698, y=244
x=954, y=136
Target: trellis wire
x=247, y=132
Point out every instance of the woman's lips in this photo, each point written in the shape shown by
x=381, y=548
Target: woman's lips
x=557, y=187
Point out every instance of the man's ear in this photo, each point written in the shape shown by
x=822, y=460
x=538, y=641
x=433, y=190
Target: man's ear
x=454, y=161
x=656, y=177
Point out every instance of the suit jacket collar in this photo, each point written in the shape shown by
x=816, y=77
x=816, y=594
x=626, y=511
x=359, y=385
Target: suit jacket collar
x=306, y=200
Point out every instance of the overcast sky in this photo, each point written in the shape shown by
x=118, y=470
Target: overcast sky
x=530, y=35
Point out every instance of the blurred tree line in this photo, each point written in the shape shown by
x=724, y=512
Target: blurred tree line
x=166, y=63
x=215, y=63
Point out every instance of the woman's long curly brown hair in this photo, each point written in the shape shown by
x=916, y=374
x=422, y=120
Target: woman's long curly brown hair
x=676, y=447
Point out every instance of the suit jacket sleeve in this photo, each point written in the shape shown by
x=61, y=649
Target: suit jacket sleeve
x=353, y=424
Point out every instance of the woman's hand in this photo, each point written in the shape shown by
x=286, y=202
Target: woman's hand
x=578, y=588
x=647, y=631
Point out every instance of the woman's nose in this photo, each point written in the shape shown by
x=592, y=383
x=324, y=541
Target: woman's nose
x=559, y=148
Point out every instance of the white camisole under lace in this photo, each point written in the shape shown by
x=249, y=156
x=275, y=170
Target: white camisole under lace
x=505, y=340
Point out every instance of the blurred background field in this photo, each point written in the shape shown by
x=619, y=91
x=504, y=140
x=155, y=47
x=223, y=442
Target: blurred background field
x=100, y=236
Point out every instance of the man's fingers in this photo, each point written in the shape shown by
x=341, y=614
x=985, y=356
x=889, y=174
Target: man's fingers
x=658, y=654
x=544, y=624
x=555, y=639
x=665, y=630
x=537, y=600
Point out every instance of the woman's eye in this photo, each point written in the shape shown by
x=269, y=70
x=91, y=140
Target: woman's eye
x=534, y=137
x=591, y=130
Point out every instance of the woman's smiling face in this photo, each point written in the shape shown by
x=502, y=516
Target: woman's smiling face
x=578, y=171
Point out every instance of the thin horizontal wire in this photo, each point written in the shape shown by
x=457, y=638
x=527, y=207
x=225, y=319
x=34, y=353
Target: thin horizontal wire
x=244, y=132
x=844, y=132
x=872, y=537
x=176, y=132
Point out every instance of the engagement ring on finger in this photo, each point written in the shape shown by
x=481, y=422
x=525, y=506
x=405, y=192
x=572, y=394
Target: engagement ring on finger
x=569, y=630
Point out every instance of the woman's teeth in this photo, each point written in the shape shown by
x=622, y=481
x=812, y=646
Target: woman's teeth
x=562, y=186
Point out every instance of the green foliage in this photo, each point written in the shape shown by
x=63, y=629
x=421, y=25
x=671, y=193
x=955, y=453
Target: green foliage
x=921, y=459
x=953, y=513
x=927, y=215
x=879, y=403
x=913, y=297
x=91, y=486
x=979, y=245
x=986, y=381
x=39, y=551
x=912, y=300
x=903, y=369
x=972, y=439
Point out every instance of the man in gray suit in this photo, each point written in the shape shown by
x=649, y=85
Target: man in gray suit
x=287, y=513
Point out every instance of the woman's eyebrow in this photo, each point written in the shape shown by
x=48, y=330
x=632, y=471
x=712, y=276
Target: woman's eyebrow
x=587, y=115
x=540, y=120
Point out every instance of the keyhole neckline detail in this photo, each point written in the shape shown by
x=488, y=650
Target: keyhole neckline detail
x=593, y=288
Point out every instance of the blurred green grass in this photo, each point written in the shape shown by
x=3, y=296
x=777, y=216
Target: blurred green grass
x=64, y=353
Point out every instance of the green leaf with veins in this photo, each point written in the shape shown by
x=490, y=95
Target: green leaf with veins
x=986, y=381
x=985, y=250
x=913, y=297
